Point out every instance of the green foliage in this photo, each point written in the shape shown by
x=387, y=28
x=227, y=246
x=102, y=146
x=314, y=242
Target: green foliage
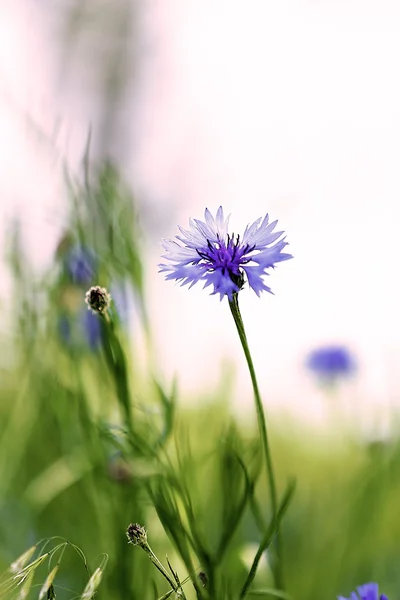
x=90, y=442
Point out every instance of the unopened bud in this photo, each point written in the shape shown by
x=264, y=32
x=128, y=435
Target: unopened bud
x=98, y=299
x=137, y=535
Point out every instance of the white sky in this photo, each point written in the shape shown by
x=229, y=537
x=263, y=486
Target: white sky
x=286, y=106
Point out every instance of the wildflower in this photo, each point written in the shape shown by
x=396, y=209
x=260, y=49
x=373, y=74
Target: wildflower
x=368, y=591
x=331, y=362
x=208, y=253
x=92, y=329
x=98, y=299
x=137, y=535
x=80, y=265
x=82, y=328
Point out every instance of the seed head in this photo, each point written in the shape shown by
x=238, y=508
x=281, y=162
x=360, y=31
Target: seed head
x=22, y=560
x=98, y=299
x=47, y=590
x=137, y=535
x=92, y=585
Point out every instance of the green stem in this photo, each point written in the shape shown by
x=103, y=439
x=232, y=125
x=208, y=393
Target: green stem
x=234, y=306
x=159, y=566
x=115, y=357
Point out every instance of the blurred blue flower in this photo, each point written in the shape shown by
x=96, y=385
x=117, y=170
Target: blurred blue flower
x=208, y=253
x=121, y=300
x=84, y=328
x=92, y=328
x=80, y=265
x=368, y=591
x=331, y=362
x=64, y=328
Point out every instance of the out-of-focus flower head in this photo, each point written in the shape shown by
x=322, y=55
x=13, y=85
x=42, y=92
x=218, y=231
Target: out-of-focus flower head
x=331, y=362
x=208, y=253
x=80, y=265
x=368, y=591
x=84, y=328
x=92, y=328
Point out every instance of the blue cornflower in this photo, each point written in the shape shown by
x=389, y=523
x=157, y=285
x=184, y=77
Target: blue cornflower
x=331, y=362
x=92, y=327
x=368, y=591
x=208, y=253
x=80, y=265
x=85, y=327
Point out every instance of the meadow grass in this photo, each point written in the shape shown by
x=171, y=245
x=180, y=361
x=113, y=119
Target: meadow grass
x=90, y=443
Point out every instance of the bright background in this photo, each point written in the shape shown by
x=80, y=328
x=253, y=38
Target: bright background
x=284, y=106
x=287, y=107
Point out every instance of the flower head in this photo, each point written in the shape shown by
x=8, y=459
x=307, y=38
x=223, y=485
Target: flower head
x=80, y=265
x=368, y=591
x=208, y=253
x=331, y=362
x=98, y=299
x=90, y=325
x=85, y=327
x=137, y=535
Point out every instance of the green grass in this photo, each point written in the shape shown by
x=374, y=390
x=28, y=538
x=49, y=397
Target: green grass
x=89, y=444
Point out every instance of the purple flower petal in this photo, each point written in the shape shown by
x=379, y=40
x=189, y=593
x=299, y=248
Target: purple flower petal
x=208, y=253
x=368, y=591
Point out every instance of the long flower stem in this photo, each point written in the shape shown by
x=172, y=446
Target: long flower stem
x=160, y=566
x=234, y=306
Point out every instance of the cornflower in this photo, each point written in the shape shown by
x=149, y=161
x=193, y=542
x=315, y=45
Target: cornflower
x=368, y=591
x=331, y=362
x=208, y=253
x=80, y=265
x=83, y=327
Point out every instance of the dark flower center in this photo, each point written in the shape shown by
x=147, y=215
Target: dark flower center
x=228, y=256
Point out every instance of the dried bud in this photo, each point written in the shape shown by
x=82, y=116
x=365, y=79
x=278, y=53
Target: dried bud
x=137, y=535
x=98, y=299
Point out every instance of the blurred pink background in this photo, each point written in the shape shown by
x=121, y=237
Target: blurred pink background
x=290, y=107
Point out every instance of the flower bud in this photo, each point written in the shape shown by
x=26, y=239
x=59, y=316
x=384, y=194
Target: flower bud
x=98, y=299
x=137, y=535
